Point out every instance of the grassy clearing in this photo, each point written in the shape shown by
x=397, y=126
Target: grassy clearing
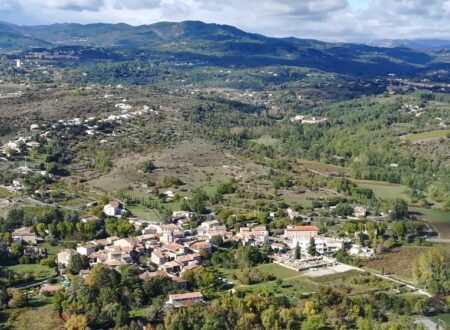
x=355, y=282
x=427, y=135
x=439, y=318
x=138, y=312
x=40, y=316
x=294, y=285
x=40, y=272
x=397, y=262
x=145, y=213
x=325, y=169
x=385, y=190
x=438, y=218
x=266, y=140
x=52, y=250
x=279, y=271
x=5, y=192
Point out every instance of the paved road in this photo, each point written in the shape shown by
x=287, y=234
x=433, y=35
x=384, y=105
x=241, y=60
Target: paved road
x=32, y=200
x=32, y=285
x=439, y=240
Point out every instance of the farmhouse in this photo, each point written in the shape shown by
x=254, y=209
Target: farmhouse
x=113, y=209
x=185, y=299
x=24, y=234
x=359, y=212
x=65, y=256
x=92, y=218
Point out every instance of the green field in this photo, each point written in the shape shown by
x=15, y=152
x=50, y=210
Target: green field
x=295, y=284
x=266, y=140
x=293, y=287
x=52, y=250
x=427, y=135
x=385, y=190
x=324, y=169
x=438, y=218
x=442, y=317
x=145, y=213
x=40, y=272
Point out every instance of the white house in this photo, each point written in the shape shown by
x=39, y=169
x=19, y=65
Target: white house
x=86, y=249
x=113, y=209
x=65, y=256
x=185, y=299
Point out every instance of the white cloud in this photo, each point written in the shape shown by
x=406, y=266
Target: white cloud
x=321, y=19
x=69, y=5
x=137, y=4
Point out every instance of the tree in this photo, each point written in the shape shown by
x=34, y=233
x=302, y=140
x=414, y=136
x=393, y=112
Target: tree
x=217, y=241
x=343, y=210
x=77, y=263
x=350, y=228
x=297, y=252
x=310, y=308
x=198, y=202
x=399, y=229
x=431, y=270
x=249, y=256
x=203, y=278
x=312, y=247
x=399, y=209
x=18, y=299
x=148, y=166
x=101, y=276
x=76, y=322
x=313, y=322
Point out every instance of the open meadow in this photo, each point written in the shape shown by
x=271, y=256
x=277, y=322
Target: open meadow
x=438, y=218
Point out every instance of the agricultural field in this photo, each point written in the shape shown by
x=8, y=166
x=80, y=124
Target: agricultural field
x=385, y=190
x=396, y=262
x=427, y=136
x=321, y=168
x=438, y=218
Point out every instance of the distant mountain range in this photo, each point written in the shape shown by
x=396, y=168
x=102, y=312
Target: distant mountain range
x=221, y=44
x=411, y=43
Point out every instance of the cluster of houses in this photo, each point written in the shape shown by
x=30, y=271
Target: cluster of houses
x=90, y=126
x=311, y=120
x=21, y=145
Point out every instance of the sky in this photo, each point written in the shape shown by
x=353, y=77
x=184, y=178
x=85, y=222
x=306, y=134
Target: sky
x=329, y=20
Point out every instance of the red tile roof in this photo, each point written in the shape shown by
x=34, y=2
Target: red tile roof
x=303, y=228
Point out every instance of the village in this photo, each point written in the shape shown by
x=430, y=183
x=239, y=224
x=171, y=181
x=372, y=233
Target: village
x=173, y=248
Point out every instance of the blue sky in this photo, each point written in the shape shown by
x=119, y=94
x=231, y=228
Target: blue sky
x=359, y=4
x=330, y=20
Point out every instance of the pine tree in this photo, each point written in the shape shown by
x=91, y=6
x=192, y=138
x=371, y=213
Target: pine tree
x=298, y=254
x=312, y=247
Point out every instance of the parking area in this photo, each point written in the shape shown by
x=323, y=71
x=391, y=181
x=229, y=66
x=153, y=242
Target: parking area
x=328, y=270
